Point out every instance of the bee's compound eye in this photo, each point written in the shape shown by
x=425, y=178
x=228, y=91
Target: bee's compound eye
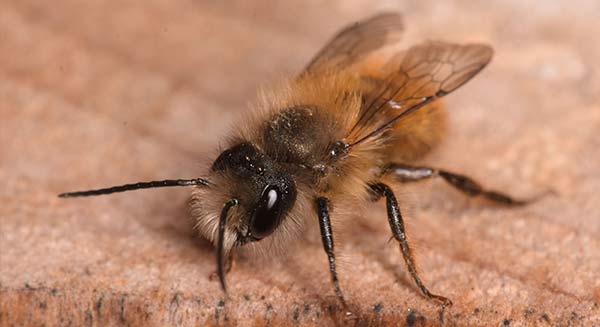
x=267, y=214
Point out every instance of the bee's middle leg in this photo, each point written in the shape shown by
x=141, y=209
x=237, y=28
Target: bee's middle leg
x=397, y=225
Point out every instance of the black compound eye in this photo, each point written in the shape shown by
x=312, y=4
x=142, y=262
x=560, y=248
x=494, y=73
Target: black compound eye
x=268, y=212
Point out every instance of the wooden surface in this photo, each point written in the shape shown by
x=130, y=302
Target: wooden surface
x=96, y=93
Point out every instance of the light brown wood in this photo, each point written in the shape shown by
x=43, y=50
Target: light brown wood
x=97, y=93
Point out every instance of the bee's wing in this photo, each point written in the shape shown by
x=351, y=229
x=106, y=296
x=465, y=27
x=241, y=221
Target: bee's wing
x=411, y=80
x=355, y=41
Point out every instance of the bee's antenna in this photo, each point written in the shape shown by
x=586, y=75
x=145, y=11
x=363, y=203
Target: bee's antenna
x=137, y=186
x=222, y=223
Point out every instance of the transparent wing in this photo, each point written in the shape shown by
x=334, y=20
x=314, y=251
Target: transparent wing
x=412, y=79
x=354, y=42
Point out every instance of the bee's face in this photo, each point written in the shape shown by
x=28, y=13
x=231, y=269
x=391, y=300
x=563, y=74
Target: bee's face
x=265, y=192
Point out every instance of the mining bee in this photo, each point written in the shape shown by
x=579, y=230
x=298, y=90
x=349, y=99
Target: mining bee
x=338, y=134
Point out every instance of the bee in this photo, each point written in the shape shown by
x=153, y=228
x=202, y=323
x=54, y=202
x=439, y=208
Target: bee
x=351, y=124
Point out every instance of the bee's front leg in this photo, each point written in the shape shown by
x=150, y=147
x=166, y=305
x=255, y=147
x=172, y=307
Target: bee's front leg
x=322, y=206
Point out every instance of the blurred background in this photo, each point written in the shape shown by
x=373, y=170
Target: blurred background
x=97, y=93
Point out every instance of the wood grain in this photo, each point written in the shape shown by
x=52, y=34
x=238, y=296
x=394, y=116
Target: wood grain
x=97, y=93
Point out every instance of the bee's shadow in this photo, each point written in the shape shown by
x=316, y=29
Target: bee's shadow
x=373, y=243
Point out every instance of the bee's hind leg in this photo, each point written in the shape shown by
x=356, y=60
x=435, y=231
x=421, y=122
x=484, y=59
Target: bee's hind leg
x=406, y=173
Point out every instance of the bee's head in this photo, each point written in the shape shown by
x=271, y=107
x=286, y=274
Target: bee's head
x=264, y=193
